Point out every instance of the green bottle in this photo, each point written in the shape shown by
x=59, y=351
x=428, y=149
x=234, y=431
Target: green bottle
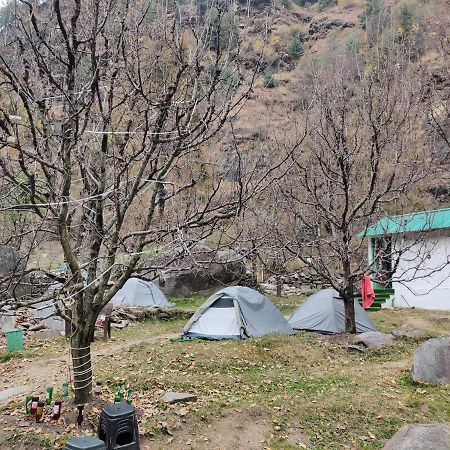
x=129, y=396
x=49, y=395
x=121, y=390
x=65, y=390
x=28, y=400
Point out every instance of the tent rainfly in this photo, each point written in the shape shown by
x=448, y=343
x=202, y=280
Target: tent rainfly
x=236, y=312
x=137, y=292
x=324, y=312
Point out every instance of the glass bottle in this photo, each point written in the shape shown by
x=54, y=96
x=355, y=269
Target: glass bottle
x=57, y=410
x=49, y=395
x=130, y=396
x=98, y=388
x=28, y=401
x=39, y=411
x=34, y=405
x=121, y=389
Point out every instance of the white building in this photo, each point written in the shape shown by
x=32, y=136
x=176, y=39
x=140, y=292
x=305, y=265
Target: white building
x=416, y=249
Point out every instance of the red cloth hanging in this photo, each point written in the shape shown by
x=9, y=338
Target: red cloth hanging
x=368, y=294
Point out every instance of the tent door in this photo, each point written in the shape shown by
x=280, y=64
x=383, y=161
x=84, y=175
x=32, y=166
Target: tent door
x=219, y=320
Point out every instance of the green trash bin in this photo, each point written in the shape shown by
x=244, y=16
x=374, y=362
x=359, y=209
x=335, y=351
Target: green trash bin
x=14, y=340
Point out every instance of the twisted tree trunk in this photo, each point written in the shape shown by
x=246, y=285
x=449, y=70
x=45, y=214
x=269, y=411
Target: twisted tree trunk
x=349, y=308
x=80, y=342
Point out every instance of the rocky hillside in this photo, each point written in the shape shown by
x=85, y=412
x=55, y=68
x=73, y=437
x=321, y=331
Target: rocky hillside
x=287, y=37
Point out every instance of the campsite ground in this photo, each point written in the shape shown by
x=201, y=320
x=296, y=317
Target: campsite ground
x=303, y=391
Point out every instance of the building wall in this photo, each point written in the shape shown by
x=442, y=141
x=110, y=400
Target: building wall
x=422, y=278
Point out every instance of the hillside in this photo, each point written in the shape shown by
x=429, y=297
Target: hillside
x=287, y=39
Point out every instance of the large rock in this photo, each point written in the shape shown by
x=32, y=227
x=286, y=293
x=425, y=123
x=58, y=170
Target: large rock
x=176, y=397
x=47, y=334
x=374, y=339
x=201, y=269
x=7, y=320
x=47, y=312
x=12, y=261
x=38, y=327
x=433, y=436
x=431, y=362
x=416, y=334
x=12, y=266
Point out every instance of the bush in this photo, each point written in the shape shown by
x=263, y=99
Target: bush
x=351, y=45
x=295, y=49
x=269, y=80
x=372, y=9
x=325, y=4
x=406, y=17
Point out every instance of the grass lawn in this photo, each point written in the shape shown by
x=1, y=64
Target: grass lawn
x=302, y=391
x=339, y=399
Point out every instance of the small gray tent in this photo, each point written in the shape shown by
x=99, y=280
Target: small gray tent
x=324, y=312
x=236, y=313
x=137, y=292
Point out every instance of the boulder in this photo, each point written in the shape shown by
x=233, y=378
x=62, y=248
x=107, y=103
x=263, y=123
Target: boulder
x=46, y=311
x=175, y=397
x=12, y=266
x=433, y=436
x=201, y=269
x=7, y=321
x=431, y=362
x=47, y=334
x=373, y=339
x=416, y=334
x=39, y=326
x=319, y=29
x=356, y=348
x=12, y=261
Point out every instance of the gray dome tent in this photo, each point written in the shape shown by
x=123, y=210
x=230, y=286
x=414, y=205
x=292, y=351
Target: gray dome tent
x=137, y=292
x=236, y=313
x=324, y=312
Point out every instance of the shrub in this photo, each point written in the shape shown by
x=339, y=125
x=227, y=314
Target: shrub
x=325, y=4
x=295, y=49
x=269, y=80
x=352, y=44
x=406, y=17
x=372, y=9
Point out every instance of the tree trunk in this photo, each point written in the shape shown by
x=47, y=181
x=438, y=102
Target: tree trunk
x=349, y=308
x=279, y=286
x=81, y=361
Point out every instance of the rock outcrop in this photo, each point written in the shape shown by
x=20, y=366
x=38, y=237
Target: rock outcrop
x=431, y=362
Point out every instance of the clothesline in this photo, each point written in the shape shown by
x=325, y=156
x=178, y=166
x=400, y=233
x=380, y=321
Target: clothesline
x=131, y=132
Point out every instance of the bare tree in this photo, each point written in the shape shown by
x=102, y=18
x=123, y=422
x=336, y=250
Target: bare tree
x=357, y=155
x=106, y=109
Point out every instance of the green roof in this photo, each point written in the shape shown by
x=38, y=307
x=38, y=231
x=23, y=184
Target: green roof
x=409, y=223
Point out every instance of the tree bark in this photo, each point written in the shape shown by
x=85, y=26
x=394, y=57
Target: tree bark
x=81, y=360
x=279, y=286
x=349, y=309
